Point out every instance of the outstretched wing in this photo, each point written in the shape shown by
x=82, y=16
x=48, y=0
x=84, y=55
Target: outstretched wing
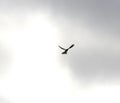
x=71, y=46
x=61, y=47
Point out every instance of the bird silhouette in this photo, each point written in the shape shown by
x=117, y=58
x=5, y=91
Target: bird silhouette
x=66, y=50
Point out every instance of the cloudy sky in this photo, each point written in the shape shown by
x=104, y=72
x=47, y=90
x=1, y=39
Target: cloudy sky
x=32, y=69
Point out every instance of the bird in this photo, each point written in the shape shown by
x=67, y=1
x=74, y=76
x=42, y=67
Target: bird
x=66, y=50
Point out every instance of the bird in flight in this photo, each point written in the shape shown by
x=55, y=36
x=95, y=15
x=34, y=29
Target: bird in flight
x=66, y=50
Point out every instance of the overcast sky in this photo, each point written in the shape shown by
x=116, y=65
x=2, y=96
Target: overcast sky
x=94, y=27
x=32, y=67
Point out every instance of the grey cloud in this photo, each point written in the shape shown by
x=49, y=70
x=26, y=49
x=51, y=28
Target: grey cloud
x=99, y=15
x=22, y=5
x=94, y=26
x=93, y=64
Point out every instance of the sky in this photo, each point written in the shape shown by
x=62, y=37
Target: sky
x=94, y=27
x=32, y=69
